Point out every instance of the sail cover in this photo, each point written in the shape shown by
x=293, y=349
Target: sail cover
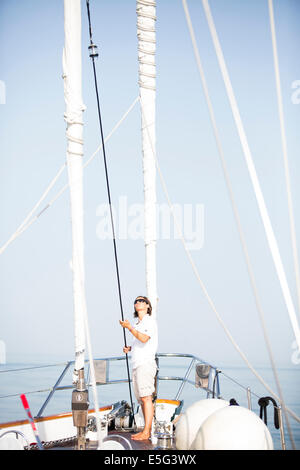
x=73, y=116
x=146, y=18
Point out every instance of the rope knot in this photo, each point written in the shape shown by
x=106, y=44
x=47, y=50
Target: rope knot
x=263, y=403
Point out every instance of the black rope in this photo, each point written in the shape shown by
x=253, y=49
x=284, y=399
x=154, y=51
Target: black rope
x=93, y=55
x=263, y=403
x=214, y=382
x=233, y=402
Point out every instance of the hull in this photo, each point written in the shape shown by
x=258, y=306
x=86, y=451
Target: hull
x=57, y=431
x=52, y=430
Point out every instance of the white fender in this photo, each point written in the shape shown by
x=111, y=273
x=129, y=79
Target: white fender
x=233, y=428
x=191, y=420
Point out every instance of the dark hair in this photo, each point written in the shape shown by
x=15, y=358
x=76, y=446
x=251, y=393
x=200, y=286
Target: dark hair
x=149, y=310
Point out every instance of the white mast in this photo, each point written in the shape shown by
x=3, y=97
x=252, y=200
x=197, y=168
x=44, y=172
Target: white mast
x=73, y=117
x=146, y=17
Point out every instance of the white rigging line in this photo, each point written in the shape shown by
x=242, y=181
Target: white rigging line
x=284, y=150
x=92, y=365
x=254, y=179
x=234, y=206
x=27, y=222
x=23, y=224
x=178, y=227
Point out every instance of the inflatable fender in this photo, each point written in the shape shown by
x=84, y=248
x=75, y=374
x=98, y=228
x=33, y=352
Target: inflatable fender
x=233, y=428
x=191, y=420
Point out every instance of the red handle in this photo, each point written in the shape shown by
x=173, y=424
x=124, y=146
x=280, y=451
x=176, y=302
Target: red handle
x=24, y=401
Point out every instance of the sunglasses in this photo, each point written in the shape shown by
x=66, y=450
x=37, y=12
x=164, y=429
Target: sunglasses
x=140, y=300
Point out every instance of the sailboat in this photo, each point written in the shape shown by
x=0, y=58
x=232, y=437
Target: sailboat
x=110, y=426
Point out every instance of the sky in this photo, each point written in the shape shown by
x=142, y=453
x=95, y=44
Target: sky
x=36, y=280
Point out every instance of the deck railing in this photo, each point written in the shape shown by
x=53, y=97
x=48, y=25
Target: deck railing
x=212, y=387
x=206, y=377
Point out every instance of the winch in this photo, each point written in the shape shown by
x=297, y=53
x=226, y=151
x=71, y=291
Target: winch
x=164, y=435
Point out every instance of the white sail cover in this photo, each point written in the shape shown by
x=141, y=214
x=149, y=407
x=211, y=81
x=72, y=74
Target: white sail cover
x=146, y=17
x=73, y=117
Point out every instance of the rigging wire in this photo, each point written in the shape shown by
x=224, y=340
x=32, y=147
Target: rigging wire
x=253, y=176
x=272, y=242
x=93, y=54
x=20, y=229
x=234, y=207
x=27, y=221
x=91, y=361
x=284, y=151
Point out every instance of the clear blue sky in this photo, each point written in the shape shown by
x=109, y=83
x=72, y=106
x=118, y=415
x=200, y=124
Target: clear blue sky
x=36, y=284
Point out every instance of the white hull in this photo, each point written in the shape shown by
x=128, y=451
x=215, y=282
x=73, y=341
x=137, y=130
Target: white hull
x=50, y=428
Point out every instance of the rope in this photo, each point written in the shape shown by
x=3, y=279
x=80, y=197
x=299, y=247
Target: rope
x=109, y=200
x=263, y=403
x=34, y=367
x=20, y=229
x=233, y=203
x=253, y=176
x=27, y=393
x=219, y=318
x=91, y=361
x=240, y=385
x=284, y=150
x=26, y=223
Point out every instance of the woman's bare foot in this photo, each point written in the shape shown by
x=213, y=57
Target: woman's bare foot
x=141, y=436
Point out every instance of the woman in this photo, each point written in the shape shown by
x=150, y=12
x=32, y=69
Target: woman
x=143, y=349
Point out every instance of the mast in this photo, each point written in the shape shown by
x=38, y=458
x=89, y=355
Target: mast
x=74, y=133
x=73, y=116
x=146, y=17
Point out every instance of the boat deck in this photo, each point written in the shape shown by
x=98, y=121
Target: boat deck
x=118, y=436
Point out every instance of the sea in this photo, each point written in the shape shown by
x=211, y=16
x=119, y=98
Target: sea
x=35, y=377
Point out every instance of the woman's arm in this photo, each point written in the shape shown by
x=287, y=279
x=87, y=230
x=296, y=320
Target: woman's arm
x=140, y=336
x=137, y=334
